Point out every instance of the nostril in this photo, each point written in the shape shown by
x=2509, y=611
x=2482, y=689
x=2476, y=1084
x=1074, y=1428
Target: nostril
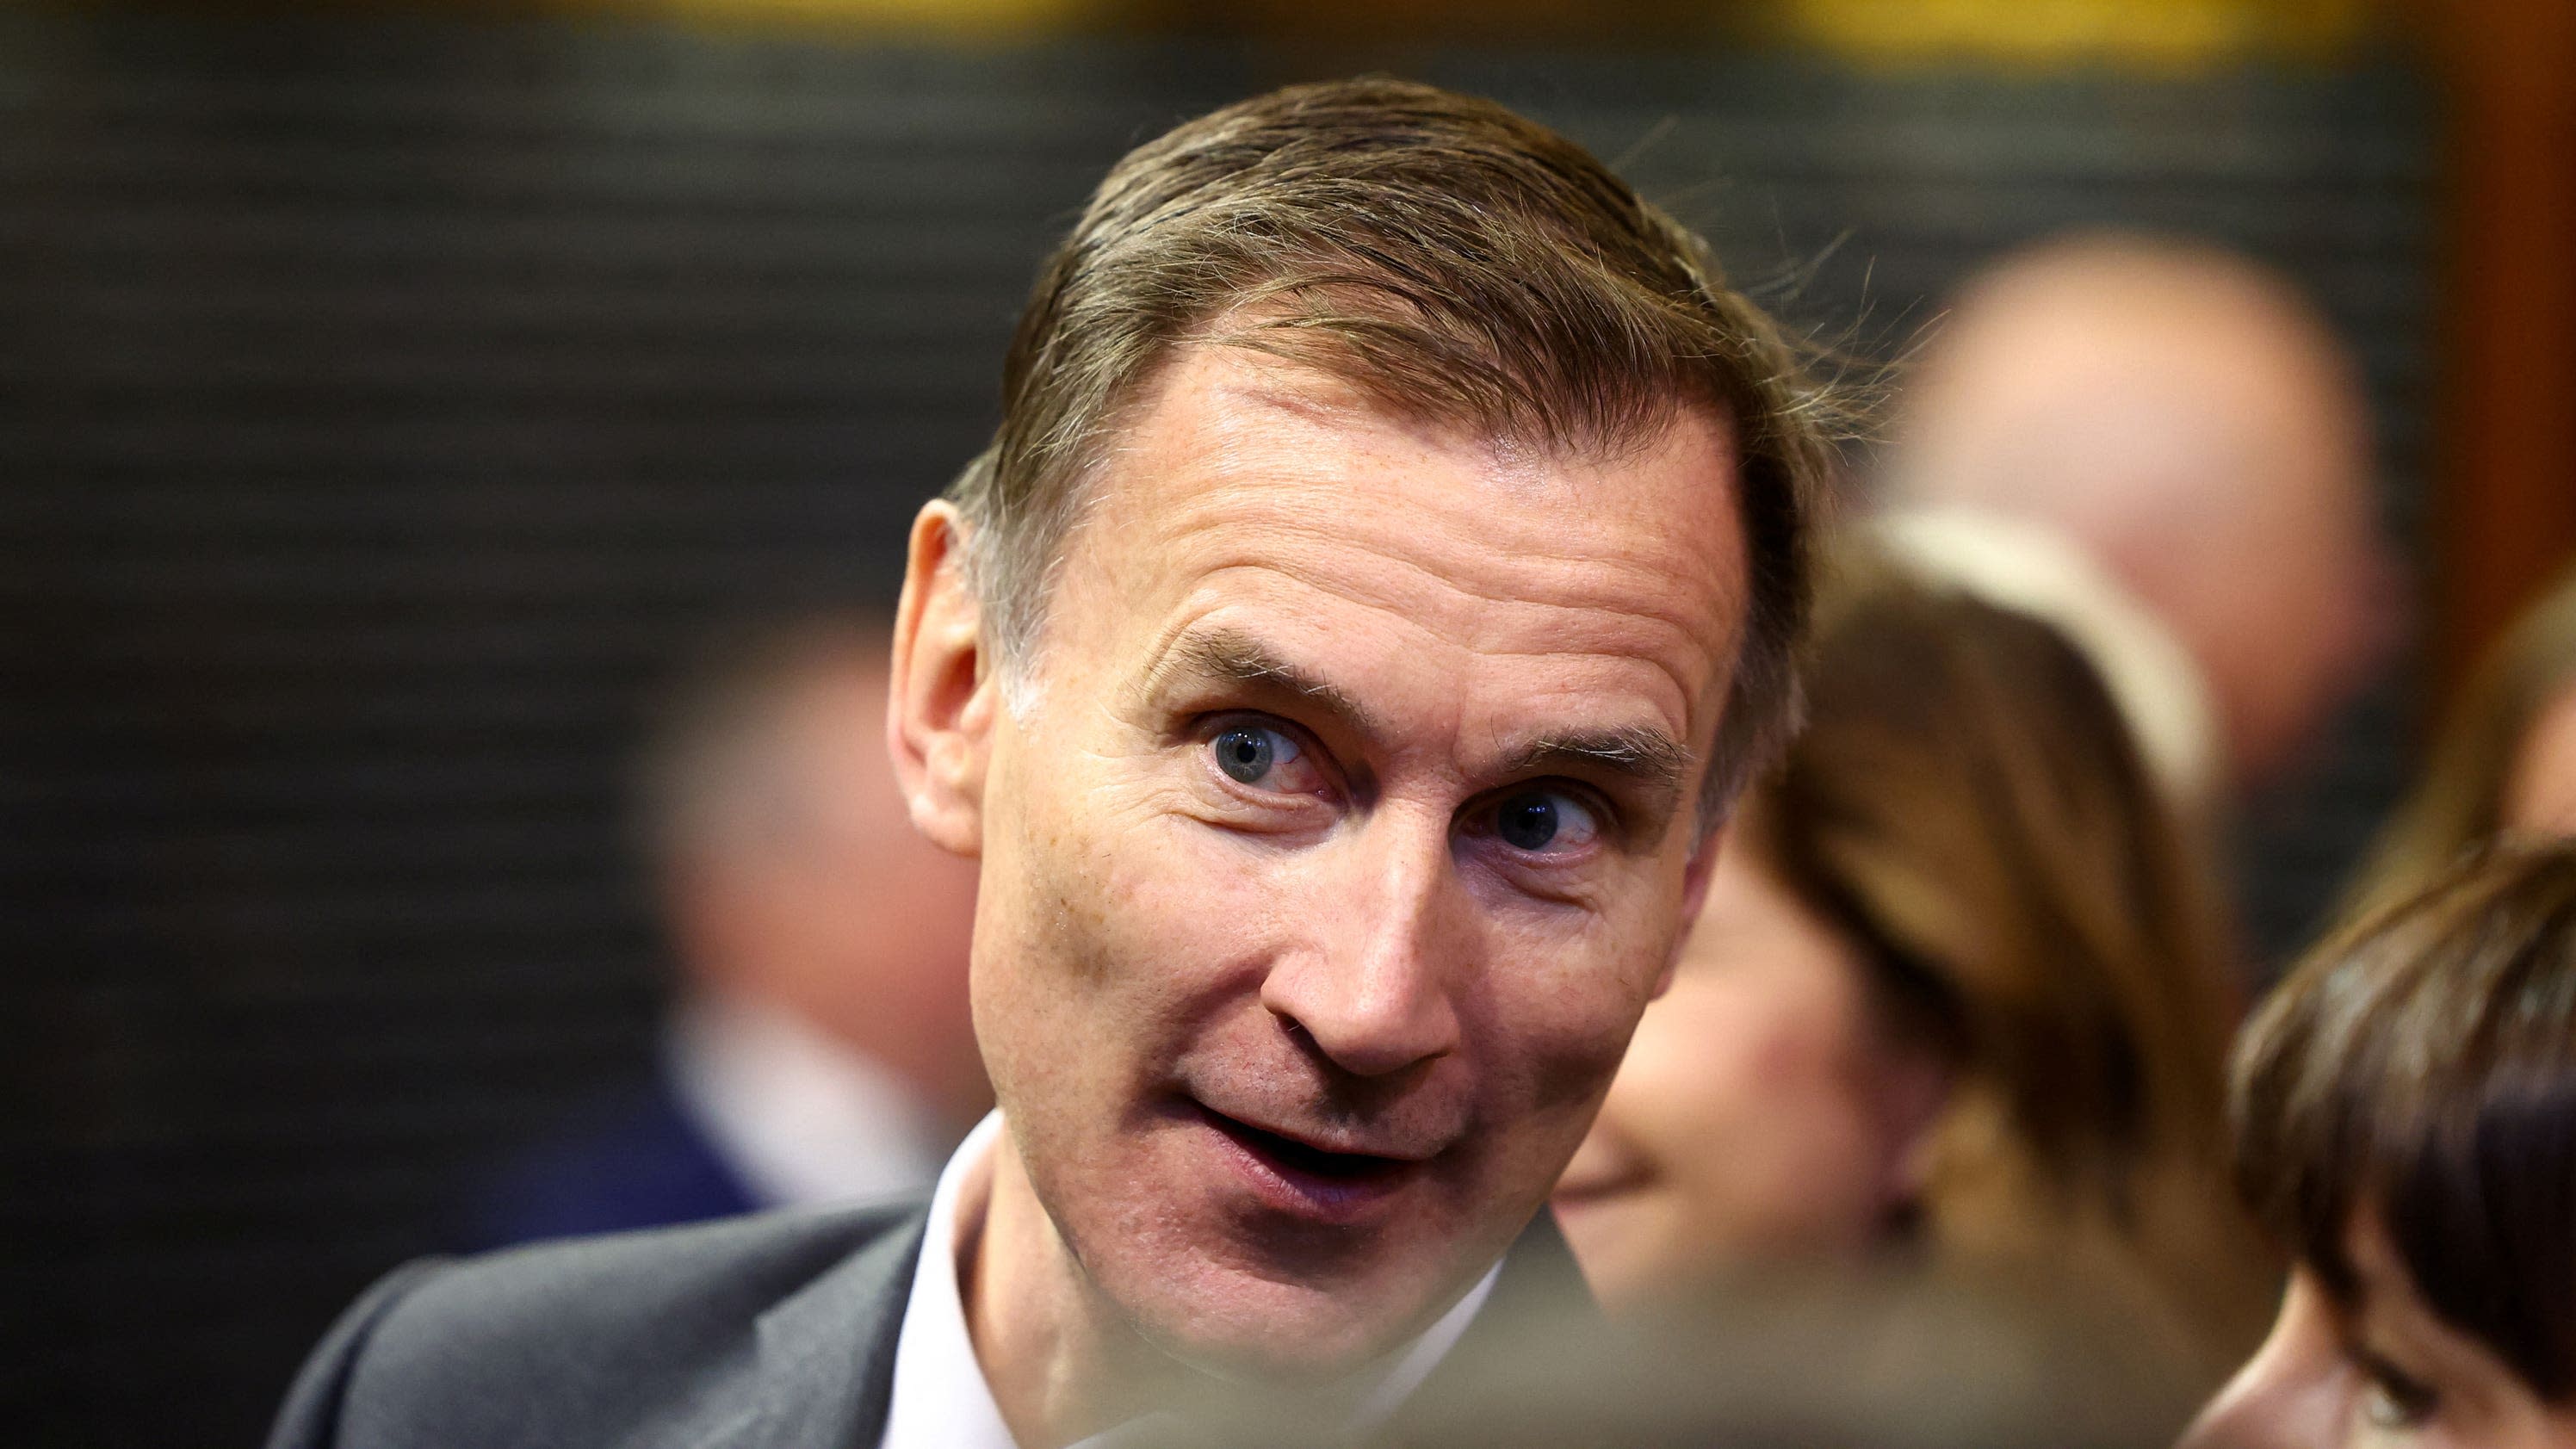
x=1363, y=1015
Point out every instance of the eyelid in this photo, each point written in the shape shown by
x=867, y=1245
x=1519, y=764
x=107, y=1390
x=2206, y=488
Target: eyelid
x=1311, y=753
x=2413, y=1400
x=1606, y=820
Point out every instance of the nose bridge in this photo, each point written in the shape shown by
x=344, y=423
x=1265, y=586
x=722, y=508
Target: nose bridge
x=2294, y=1391
x=1374, y=990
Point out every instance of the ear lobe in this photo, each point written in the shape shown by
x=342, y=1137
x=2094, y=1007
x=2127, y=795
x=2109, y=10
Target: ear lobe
x=939, y=709
x=1695, y=876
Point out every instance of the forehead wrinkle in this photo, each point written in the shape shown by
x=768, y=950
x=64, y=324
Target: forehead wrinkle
x=1274, y=538
x=1388, y=600
x=1235, y=655
x=1530, y=458
x=1222, y=508
x=1248, y=476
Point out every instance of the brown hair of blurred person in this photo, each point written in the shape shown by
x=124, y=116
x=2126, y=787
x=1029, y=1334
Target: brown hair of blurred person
x=2405, y=1116
x=789, y=870
x=1243, y=229
x=1966, y=815
x=2503, y=761
x=2188, y=418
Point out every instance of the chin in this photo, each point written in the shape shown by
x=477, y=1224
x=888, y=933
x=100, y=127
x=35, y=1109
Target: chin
x=1242, y=1327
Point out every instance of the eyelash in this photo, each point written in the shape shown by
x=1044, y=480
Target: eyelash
x=1210, y=729
x=1206, y=732
x=2393, y=1400
x=1485, y=817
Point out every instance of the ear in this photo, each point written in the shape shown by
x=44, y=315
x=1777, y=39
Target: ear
x=1695, y=874
x=943, y=688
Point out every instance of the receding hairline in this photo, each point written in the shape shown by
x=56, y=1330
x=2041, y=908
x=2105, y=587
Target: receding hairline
x=1325, y=396
x=1307, y=384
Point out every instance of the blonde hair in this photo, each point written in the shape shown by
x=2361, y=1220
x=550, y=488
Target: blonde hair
x=1968, y=804
x=2458, y=802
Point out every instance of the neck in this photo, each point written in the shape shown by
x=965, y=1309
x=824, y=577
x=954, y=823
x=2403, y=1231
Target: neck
x=1062, y=1361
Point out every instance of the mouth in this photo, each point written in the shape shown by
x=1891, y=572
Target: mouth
x=1307, y=1180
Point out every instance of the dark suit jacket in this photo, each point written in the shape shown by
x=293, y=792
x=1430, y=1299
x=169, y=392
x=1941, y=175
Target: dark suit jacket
x=634, y=1159
x=773, y=1330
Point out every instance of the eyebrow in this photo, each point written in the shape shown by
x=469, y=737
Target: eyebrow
x=1228, y=656
x=1648, y=757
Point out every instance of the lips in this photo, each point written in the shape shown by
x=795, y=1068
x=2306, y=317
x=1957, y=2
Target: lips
x=1307, y=1179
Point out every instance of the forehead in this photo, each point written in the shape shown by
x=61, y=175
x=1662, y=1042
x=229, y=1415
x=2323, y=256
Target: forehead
x=1242, y=480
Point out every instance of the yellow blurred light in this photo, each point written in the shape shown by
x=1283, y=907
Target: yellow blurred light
x=2157, y=33
x=947, y=18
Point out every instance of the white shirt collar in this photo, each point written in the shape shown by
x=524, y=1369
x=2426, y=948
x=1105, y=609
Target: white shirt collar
x=800, y=1118
x=940, y=1399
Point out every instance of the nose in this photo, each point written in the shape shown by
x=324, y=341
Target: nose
x=2295, y=1391
x=1371, y=983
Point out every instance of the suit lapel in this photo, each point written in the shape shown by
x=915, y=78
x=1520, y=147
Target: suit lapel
x=827, y=1353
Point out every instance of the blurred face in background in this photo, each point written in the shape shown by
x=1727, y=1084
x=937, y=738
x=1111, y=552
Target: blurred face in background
x=807, y=891
x=2540, y=788
x=2382, y=1369
x=1341, y=828
x=1764, y=1111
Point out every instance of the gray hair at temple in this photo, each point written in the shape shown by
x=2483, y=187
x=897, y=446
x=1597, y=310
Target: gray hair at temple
x=1455, y=263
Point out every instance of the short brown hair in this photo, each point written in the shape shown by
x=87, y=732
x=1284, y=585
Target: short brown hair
x=1451, y=260
x=2422, y=1064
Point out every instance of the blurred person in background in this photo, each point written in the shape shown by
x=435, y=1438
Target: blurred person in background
x=2405, y=1116
x=2504, y=761
x=1955, y=999
x=2182, y=420
x=820, y=1049
x=1872, y=1361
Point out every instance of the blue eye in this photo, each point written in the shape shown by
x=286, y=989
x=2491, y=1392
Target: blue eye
x=1537, y=820
x=1249, y=753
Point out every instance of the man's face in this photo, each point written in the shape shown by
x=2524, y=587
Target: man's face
x=1340, y=832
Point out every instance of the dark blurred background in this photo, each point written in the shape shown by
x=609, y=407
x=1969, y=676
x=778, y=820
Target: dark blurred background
x=387, y=394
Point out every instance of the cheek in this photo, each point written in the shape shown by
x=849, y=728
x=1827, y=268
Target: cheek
x=1578, y=983
x=1736, y=1090
x=1102, y=926
x=1692, y=1072
x=1553, y=1036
